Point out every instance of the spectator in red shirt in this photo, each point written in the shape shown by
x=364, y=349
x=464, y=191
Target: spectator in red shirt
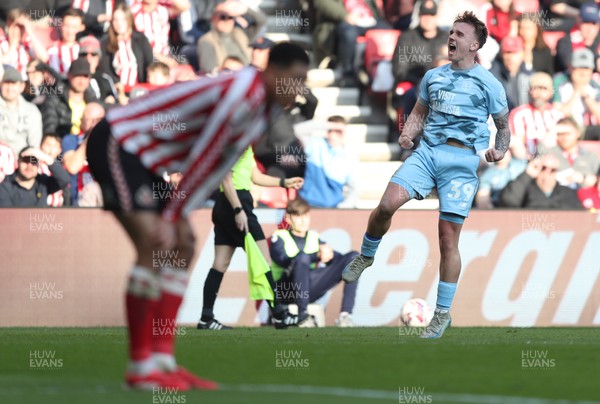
x=586, y=35
x=499, y=19
x=590, y=196
x=152, y=19
x=65, y=51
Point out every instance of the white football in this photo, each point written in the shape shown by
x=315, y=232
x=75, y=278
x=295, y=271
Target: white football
x=416, y=313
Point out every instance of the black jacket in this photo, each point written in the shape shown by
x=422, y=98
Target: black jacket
x=14, y=195
x=141, y=49
x=56, y=113
x=523, y=192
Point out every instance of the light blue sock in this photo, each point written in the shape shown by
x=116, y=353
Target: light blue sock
x=445, y=295
x=369, y=245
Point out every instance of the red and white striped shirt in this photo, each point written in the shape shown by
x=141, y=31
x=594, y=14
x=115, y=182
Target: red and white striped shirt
x=55, y=200
x=84, y=5
x=8, y=160
x=17, y=58
x=199, y=128
x=154, y=25
x=61, y=55
x=533, y=126
x=125, y=64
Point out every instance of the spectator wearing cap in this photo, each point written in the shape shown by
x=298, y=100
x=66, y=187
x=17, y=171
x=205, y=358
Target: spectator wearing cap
x=538, y=188
x=416, y=48
x=27, y=188
x=65, y=51
x=62, y=113
x=577, y=165
x=590, y=196
x=586, y=35
x=564, y=14
x=511, y=71
x=224, y=39
x=20, y=120
x=260, y=52
x=352, y=18
x=101, y=83
x=537, y=55
x=126, y=53
x=18, y=42
x=577, y=95
x=534, y=124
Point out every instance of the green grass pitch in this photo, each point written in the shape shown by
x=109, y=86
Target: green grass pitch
x=328, y=365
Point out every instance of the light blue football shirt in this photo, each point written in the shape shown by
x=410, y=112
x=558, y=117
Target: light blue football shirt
x=460, y=102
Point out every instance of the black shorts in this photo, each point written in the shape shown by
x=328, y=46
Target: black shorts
x=126, y=184
x=226, y=232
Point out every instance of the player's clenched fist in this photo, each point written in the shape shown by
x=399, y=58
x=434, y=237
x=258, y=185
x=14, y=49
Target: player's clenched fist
x=405, y=142
x=493, y=155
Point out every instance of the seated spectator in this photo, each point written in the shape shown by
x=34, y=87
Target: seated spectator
x=126, y=53
x=590, y=196
x=534, y=124
x=577, y=95
x=399, y=13
x=65, y=51
x=8, y=161
x=330, y=168
x=564, y=14
x=74, y=151
x=62, y=114
x=305, y=267
x=538, y=188
x=577, y=166
x=416, y=48
x=18, y=43
x=20, y=121
x=51, y=146
x=495, y=178
x=96, y=15
x=231, y=64
x=101, y=83
x=27, y=188
x=158, y=74
x=511, y=71
x=586, y=35
x=537, y=55
x=152, y=19
x=499, y=18
x=260, y=52
x=224, y=39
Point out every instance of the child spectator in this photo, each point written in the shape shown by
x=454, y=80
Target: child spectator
x=51, y=146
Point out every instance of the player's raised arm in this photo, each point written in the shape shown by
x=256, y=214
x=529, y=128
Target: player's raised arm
x=502, y=140
x=414, y=125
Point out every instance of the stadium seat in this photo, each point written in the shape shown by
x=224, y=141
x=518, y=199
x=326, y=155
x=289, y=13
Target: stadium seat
x=591, y=145
x=380, y=45
x=551, y=38
x=275, y=197
x=46, y=35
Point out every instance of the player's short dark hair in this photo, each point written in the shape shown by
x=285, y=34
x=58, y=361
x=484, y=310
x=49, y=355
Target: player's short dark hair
x=297, y=207
x=285, y=54
x=73, y=12
x=481, y=31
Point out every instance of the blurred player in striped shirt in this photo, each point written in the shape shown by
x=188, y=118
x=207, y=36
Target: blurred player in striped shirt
x=199, y=128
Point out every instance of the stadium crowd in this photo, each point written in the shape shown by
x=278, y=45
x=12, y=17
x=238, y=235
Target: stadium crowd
x=65, y=62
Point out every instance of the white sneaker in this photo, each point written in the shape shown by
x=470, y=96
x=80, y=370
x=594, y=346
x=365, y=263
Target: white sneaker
x=310, y=322
x=344, y=320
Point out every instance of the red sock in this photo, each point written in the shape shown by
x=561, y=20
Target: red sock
x=166, y=311
x=140, y=304
x=173, y=284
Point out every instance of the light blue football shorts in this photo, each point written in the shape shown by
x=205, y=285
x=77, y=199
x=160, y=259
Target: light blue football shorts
x=453, y=170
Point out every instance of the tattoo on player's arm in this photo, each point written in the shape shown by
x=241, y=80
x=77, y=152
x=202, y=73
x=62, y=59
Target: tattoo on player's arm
x=503, y=135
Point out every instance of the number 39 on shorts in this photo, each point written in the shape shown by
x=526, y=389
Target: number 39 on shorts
x=460, y=189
